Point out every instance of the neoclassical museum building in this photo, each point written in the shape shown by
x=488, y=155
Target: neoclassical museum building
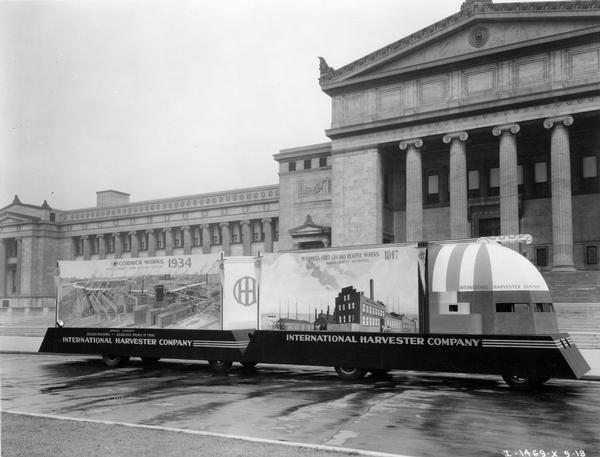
x=484, y=123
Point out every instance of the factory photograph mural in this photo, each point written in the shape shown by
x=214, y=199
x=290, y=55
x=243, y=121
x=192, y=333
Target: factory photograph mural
x=152, y=292
x=362, y=290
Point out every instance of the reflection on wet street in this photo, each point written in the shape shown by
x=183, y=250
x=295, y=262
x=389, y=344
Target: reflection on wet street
x=417, y=414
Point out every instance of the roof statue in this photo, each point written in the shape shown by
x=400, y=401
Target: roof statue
x=324, y=69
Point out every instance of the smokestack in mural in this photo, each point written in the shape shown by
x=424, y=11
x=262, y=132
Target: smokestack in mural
x=371, y=289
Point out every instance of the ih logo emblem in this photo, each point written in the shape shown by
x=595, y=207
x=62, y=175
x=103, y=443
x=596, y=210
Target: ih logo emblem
x=244, y=291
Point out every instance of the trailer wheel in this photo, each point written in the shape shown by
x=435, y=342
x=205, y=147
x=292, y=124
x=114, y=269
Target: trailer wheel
x=114, y=361
x=350, y=373
x=219, y=366
x=150, y=360
x=248, y=365
x=522, y=383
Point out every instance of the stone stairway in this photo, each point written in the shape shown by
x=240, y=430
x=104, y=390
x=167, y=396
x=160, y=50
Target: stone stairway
x=581, y=286
x=576, y=296
x=581, y=321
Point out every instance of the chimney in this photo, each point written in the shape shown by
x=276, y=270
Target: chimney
x=371, y=290
x=327, y=312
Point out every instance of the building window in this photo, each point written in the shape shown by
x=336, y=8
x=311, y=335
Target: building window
x=494, y=175
x=541, y=257
x=453, y=308
x=110, y=245
x=79, y=246
x=292, y=166
x=160, y=240
x=144, y=242
x=589, y=167
x=591, y=255
x=95, y=245
x=473, y=183
x=433, y=188
x=307, y=164
x=196, y=239
x=178, y=242
x=12, y=248
x=540, y=172
x=52, y=217
x=323, y=162
x=127, y=243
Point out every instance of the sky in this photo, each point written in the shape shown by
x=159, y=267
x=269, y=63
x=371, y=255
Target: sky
x=165, y=99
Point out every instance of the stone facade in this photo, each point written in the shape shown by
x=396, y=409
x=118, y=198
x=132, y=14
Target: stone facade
x=33, y=238
x=484, y=123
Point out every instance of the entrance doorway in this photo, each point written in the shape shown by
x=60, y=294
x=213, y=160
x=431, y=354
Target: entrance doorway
x=489, y=227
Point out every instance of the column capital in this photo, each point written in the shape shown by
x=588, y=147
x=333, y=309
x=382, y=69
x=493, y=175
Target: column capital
x=245, y=222
x=100, y=235
x=462, y=136
x=204, y=226
x=149, y=231
x=166, y=229
x=509, y=128
x=132, y=232
x=566, y=120
x=416, y=142
x=116, y=234
x=84, y=237
x=266, y=219
x=223, y=224
x=185, y=227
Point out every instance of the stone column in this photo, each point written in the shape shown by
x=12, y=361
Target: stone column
x=151, y=242
x=19, y=265
x=246, y=237
x=562, y=218
x=225, y=238
x=414, y=189
x=134, y=243
x=3, y=261
x=101, y=246
x=168, y=241
x=459, y=223
x=86, y=247
x=118, y=245
x=509, y=188
x=205, y=238
x=268, y=231
x=187, y=239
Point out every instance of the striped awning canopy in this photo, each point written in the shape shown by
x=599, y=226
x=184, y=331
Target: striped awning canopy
x=483, y=267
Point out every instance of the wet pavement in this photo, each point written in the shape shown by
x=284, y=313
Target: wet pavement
x=415, y=414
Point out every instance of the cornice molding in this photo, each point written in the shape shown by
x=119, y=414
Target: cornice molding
x=475, y=9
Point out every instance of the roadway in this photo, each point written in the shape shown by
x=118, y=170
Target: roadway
x=415, y=414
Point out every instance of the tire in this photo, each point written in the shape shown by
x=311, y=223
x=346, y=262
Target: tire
x=522, y=383
x=249, y=365
x=114, y=361
x=150, y=360
x=350, y=373
x=219, y=366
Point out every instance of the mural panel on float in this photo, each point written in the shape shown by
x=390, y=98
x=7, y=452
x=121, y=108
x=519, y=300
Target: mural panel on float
x=363, y=289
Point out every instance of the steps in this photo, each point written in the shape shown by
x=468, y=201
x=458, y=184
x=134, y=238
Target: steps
x=581, y=321
x=580, y=286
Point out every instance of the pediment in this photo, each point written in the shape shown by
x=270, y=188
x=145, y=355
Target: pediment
x=309, y=228
x=469, y=36
x=10, y=218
